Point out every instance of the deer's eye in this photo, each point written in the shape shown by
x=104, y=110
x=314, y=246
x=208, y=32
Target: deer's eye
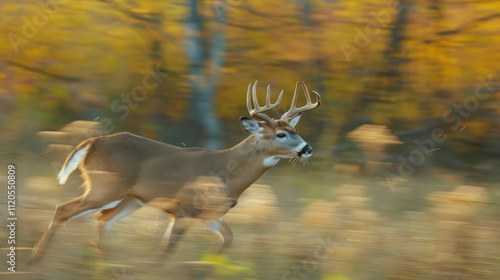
x=281, y=135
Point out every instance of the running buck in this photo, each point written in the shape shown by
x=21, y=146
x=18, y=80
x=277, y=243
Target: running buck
x=124, y=172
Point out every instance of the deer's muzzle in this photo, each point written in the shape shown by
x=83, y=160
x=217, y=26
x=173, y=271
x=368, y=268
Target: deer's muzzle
x=306, y=151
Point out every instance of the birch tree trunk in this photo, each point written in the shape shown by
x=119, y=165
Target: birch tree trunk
x=204, y=73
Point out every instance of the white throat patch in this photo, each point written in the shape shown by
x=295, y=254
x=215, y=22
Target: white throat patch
x=271, y=161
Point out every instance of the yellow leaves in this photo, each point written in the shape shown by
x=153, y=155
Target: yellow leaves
x=24, y=88
x=351, y=9
x=294, y=49
x=35, y=53
x=174, y=11
x=175, y=30
x=272, y=40
x=11, y=7
x=229, y=70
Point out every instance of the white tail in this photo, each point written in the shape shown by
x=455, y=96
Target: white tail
x=72, y=162
x=124, y=171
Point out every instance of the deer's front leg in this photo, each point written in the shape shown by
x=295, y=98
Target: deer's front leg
x=175, y=230
x=223, y=231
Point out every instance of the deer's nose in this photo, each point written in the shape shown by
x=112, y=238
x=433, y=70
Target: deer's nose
x=307, y=150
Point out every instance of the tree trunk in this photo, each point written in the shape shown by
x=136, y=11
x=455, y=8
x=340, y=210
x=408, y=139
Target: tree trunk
x=205, y=65
x=387, y=81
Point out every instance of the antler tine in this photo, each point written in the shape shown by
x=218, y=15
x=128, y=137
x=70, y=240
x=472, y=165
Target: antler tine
x=306, y=93
x=294, y=100
x=249, y=99
x=293, y=111
x=269, y=97
x=255, y=110
x=254, y=97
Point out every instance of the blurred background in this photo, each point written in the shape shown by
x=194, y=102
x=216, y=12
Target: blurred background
x=403, y=183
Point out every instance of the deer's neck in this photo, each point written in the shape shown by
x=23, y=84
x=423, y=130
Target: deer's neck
x=245, y=164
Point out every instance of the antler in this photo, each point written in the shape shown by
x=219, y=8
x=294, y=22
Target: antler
x=256, y=111
x=309, y=106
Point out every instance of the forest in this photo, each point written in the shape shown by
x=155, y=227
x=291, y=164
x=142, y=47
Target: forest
x=403, y=181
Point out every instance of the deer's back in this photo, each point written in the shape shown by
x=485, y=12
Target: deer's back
x=132, y=163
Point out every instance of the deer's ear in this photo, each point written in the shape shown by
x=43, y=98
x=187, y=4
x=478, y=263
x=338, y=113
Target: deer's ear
x=250, y=126
x=295, y=120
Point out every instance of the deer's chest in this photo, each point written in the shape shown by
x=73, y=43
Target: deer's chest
x=206, y=198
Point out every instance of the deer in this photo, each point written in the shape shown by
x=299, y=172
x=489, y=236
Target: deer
x=123, y=172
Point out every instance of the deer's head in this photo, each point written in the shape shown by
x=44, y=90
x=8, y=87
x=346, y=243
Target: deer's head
x=278, y=138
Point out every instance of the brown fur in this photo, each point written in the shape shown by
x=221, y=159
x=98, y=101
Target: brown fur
x=123, y=171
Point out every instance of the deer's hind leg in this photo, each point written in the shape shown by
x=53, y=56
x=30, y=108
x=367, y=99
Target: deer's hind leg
x=106, y=218
x=88, y=203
